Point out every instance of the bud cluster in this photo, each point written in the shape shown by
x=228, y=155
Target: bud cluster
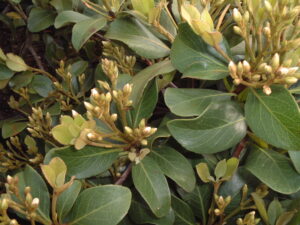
x=125, y=63
x=15, y=156
x=249, y=219
x=110, y=68
x=271, y=35
x=221, y=204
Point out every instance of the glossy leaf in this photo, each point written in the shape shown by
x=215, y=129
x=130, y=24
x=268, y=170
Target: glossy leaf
x=87, y=162
x=5, y=73
x=29, y=177
x=137, y=36
x=66, y=17
x=84, y=29
x=273, y=169
x=55, y=172
x=21, y=80
x=152, y=186
x=15, y=62
x=220, y=127
x=12, y=128
x=141, y=79
x=261, y=207
x=175, y=166
x=106, y=204
x=192, y=102
x=66, y=199
x=295, y=157
x=40, y=19
x=199, y=200
x=274, y=211
x=194, y=58
x=42, y=85
x=183, y=212
x=274, y=118
x=141, y=214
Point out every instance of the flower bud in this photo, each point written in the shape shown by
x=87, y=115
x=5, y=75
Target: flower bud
x=88, y=106
x=114, y=117
x=4, y=204
x=35, y=203
x=291, y=80
x=238, y=30
x=108, y=97
x=240, y=69
x=275, y=61
x=237, y=16
x=128, y=130
x=217, y=212
x=9, y=179
x=292, y=71
x=283, y=71
x=268, y=69
x=268, y=6
x=239, y=221
x=256, y=77
x=267, y=90
x=13, y=222
x=246, y=67
x=246, y=17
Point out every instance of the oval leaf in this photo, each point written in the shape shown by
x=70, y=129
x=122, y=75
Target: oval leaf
x=152, y=185
x=175, y=166
x=183, y=212
x=137, y=37
x=273, y=169
x=194, y=58
x=192, y=102
x=106, y=204
x=87, y=162
x=66, y=17
x=220, y=127
x=274, y=118
x=40, y=19
x=83, y=30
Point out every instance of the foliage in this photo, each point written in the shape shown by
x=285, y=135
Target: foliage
x=124, y=112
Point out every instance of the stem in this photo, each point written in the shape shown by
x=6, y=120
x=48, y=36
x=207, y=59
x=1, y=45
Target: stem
x=53, y=207
x=124, y=176
x=212, y=206
x=32, y=221
x=239, y=148
x=221, y=18
x=220, y=50
x=43, y=72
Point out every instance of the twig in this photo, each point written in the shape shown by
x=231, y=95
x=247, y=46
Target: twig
x=124, y=176
x=239, y=148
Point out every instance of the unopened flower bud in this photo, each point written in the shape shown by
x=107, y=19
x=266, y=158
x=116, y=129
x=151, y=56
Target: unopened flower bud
x=291, y=80
x=217, y=212
x=127, y=88
x=142, y=123
x=237, y=16
x=232, y=68
x=4, y=204
x=35, y=203
x=108, y=97
x=144, y=142
x=283, y=71
x=267, y=31
x=292, y=71
x=146, y=130
x=268, y=69
x=239, y=221
x=13, y=222
x=267, y=90
x=256, y=77
x=275, y=61
x=268, y=6
x=287, y=63
x=88, y=106
x=237, y=81
x=240, y=69
x=128, y=130
x=114, y=117
x=246, y=66
x=9, y=179
x=74, y=113
x=246, y=17
x=238, y=30
x=104, y=84
x=28, y=199
x=27, y=190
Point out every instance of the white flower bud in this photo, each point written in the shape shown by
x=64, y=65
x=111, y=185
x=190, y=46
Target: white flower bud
x=237, y=16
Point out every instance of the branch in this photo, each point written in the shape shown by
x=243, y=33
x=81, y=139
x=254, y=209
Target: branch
x=124, y=176
x=239, y=148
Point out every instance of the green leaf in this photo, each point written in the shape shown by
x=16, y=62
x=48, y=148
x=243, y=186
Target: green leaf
x=199, y=200
x=141, y=214
x=261, y=207
x=21, y=80
x=295, y=157
x=274, y=211
x=175, y=166
x=220, y=169
x=285, y=218
x=84, y=29
x=5, y=73
x=152, y=185
x=143, y=6
x=203, y=173
x=15, y=63
x=194, y=58
x=274, y=118
x=66, y=17
x=106, y=204
x=40, y=19
x=87, y=162
x=192, y=102
x=61, y=5
x=55, y=172
x=137, y=36
x=12, y=128
x=42, y=85
x=273, y=169
x=219, y=127
x=183, y=212
x=141, y=79
x=67, y=199
x=146, y=105
x=29, y=177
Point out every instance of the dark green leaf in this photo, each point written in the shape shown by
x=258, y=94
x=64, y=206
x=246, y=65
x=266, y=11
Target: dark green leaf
x=106, y=204
x=220, y=127
x=141, y=214
x=42, y=85
x=87, y=162
x=83, y=30
x=66, y=17
x=5, y=73
x=273, y=169
x=295, y=157
x=274, y=211
x=137, y=37
x=175, y=166
x=194, y=58
x=192, y=102
x=183, y=213
x=274, y=118
x=152, y=185
x=66, y=200
x=12, y=128
x=199, y=200
x=61, y=5
x=40, y=19
x=141, y=79
x=21, y=80
x=146, y=105
x=29, y=177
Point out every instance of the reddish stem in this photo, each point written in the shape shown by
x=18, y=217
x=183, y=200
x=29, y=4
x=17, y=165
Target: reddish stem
x=239, y=148
x=124, y=176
